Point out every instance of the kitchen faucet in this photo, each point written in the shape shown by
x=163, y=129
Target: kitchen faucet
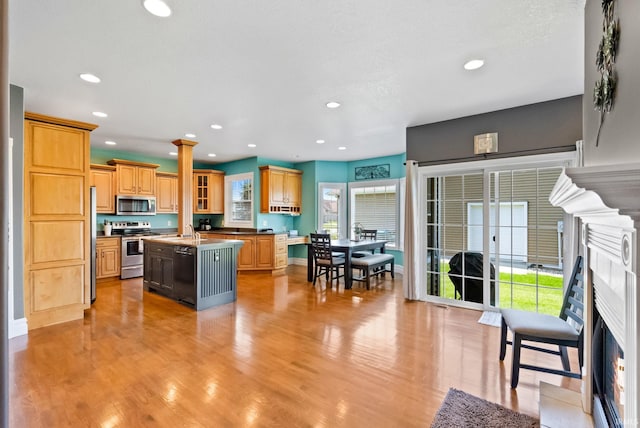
x=194, y=235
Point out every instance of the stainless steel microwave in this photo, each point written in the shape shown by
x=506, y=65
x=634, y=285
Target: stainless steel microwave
x=135, y=205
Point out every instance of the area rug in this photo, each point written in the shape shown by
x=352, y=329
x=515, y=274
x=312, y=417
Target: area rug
x=460, y=409
x=491, y=318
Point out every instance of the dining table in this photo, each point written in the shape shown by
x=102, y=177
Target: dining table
x=347, y=247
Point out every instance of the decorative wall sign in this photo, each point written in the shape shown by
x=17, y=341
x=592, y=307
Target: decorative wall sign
x=485, y=143
x=605, y=88
x=372, y=172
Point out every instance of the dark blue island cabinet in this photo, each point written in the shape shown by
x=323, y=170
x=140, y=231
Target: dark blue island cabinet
x=199, y=273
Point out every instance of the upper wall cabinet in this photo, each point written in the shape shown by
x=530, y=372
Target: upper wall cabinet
x=135, y=178
x=103, y=177
x=166, y=192
x=208, y=191
x=280, y=190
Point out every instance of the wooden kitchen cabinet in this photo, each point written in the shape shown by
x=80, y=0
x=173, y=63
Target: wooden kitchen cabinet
x=208, y=191
x=264, y=252
x=135, y=178
x=108, y=257
x=281, y=251
x=280, y=190
x=166, y=192
x=103, y=178
x=57, y=256
x=260, y=251
x=247, y=254
x=158, y=269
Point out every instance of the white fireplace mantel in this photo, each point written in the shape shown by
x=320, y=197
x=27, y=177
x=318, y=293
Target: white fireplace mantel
x=606, y=199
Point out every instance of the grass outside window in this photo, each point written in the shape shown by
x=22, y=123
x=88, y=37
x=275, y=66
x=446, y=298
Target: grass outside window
x=519, y=290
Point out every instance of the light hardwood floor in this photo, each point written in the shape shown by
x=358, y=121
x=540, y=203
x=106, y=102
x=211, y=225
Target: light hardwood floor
x=285, y=354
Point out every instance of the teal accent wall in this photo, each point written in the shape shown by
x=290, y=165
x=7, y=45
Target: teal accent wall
x=332, y=172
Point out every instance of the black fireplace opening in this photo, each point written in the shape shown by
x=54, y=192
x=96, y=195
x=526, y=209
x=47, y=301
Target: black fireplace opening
x=608, y=373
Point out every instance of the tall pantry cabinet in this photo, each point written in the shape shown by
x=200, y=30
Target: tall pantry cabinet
x=56, y=223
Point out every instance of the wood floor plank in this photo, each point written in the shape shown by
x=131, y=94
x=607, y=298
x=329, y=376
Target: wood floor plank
x=284, y=354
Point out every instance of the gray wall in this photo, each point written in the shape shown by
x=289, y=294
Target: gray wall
x=16, y=131
x=540, y=126
x=621, y=128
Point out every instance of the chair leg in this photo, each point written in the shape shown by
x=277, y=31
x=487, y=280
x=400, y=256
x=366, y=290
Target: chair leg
x=564, y=356
x=393, y=270
x=315, y=274
x=503, y=340
x=515, y=364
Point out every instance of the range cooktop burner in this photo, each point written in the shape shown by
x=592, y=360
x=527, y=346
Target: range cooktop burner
x=132, y=228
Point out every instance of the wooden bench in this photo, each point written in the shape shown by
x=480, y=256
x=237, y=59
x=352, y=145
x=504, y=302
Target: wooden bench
x=371, y=265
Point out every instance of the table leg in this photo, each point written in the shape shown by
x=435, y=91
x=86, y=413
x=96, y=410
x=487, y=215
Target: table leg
x=309, y=263
x=347, y=270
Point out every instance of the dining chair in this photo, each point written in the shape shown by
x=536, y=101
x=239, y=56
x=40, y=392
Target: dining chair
x=565, y=330
x=324, y=261
x=366, y=234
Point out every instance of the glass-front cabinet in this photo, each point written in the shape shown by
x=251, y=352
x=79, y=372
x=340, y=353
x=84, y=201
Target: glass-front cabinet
x=208, y=189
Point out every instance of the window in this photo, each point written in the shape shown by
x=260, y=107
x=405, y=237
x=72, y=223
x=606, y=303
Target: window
x=332, y=209
x=376, y=205
x=238, y=200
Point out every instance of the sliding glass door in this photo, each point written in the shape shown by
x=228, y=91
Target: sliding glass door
x=491, y=238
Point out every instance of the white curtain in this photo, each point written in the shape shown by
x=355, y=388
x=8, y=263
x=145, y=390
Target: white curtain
x=413, y=289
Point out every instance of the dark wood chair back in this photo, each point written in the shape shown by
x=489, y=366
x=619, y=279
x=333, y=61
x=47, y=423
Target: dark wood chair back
x=321, y=244
x=369, y=234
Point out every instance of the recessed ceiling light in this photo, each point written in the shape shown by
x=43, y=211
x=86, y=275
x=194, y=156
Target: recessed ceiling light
x=110, y=143
x=251, y=145
x=157, y=8
x=320, y=141
x=342, y=148
x=173, y=153
x=88, y=77
x=333, y=104
x=99, y=114
x=212, y=155
x=216, y=126
x=190, y=135
x=474, y=64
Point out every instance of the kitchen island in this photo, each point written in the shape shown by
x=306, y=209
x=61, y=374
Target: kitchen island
x=199, y=273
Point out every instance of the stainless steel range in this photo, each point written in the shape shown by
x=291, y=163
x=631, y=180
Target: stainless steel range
x=132, y=246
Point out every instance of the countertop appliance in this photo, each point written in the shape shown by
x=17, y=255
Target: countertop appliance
x=135, y=205
x=132, y=246
x=204, y=224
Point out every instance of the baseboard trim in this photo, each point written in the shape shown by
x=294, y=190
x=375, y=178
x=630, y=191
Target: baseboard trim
x=18, y=327
x=301, y=261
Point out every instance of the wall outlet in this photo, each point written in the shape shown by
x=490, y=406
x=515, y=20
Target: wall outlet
x=168, y=222
x=264, y=223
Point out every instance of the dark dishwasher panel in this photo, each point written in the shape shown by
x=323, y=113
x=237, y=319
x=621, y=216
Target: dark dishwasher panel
x=184, y=274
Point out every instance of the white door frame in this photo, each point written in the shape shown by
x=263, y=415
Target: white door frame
x=343, y=229
x=485, y=167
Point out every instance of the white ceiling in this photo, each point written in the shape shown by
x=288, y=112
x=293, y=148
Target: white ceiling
x=265, y=69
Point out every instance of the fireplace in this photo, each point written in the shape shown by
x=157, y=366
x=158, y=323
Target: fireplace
x=608, y=377
x=604, y=201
